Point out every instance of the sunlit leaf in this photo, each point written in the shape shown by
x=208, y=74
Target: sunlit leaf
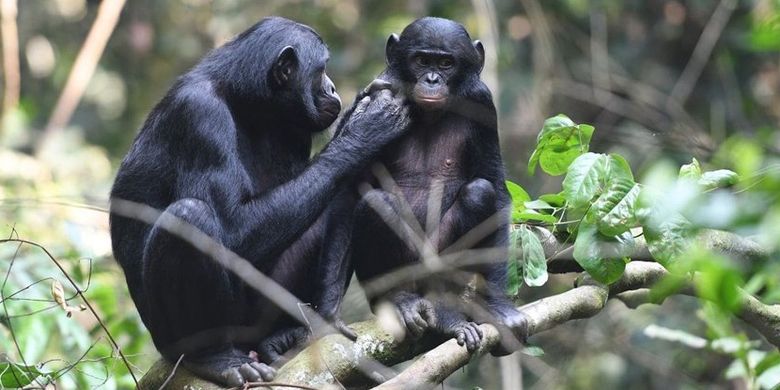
x=585, y=179
x=556, y=200
x=531, y=215
x=718, y=179
x=604, y=258
x=513, y=264
x=667, y=239
x=538, y=205
x=558, y=144
x=532, y=350
x=519, y=197
x=534, y=261
x=691, y=171
x=614, y=210
x=619, y=168
x=16, y=376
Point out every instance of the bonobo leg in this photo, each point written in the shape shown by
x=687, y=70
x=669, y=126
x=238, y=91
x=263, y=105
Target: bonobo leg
x=377, y=249
x=333, y=272
x=478, y=201
x=192, y=301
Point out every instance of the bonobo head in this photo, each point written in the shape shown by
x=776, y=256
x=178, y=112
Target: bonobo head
x=434, y=57
x=281, y=64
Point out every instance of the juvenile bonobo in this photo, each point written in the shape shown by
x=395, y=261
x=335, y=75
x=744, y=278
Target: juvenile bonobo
x=227, y=150
x=453, y=146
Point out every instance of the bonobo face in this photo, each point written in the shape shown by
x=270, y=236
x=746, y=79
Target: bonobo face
x=300, y=79
x=434, y=56
x=327, y=101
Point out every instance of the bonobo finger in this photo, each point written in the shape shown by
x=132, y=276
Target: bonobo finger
x=377, y=85
x=472, y=341
x=420, y=321
x=266, y=372
x=249, y=373
x=268, y=352
x=345, y=330
x=428, y=312
x=460, y=337
x=362, y=105
x=411, y=325
x=232, y=377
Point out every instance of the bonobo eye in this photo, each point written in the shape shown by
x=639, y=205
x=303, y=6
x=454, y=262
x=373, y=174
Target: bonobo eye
x=422, y=61
x=445, y=63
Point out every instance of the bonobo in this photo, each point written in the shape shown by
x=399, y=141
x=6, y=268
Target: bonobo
x=451, y=148
x=227, y=150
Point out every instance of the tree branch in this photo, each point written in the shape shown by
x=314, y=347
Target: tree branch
x=334, y=359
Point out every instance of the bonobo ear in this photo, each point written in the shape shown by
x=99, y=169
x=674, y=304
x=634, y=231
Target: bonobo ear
x=391, y=42
x=284, y=66
x=481, y=51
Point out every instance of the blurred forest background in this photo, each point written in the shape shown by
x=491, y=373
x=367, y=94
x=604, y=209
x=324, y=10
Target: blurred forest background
x=660, y=79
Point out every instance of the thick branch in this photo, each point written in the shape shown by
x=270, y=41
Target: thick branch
x=335, y=359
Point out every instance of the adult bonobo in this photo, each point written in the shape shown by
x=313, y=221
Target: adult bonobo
x=227, y=150
x=451, y=149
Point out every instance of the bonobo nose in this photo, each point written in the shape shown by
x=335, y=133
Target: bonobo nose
x=432, y=78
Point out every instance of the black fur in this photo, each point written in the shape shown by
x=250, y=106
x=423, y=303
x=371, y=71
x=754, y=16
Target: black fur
x=228, y=151
x=453, y=140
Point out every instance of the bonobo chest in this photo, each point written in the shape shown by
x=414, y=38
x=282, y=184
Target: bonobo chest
x=429, y=151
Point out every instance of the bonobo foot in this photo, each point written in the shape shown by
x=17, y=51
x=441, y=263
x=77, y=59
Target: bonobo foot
x=230, y=367
x=417, y=313
x=513, y=328
x=275, y=346
x=452, y=323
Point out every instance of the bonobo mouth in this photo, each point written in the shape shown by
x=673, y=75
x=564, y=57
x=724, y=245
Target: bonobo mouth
x=430, y=102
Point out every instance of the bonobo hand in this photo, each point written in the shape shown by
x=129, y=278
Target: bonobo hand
x=378, y=118
x=417, y=313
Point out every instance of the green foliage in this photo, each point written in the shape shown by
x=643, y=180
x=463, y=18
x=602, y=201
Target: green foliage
x=17, y=376
x=600, y=193
x=603, y=257
x=558, y=144
x=534, y=261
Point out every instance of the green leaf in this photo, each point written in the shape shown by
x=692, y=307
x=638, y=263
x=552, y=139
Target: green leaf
x=765, y=35
x=585, y=179
x=532, y=350
x=614, y=211
x=604, y=258
x=538, y=205
x=619, y=168
x=555, y=200
x=534, y=261
x=717, y=282
x=531, y=215
x=718, y=179
x=691, y=171
x=558, y=144
x=519, y=197
x=512, y=265
x=772, y=359
x=667, y=239
x=16, y=376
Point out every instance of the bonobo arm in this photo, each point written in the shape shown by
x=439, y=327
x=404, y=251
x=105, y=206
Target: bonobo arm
x=266, y=225
x=512, y=323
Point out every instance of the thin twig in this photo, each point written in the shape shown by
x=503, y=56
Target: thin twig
x=10, y=36
x=83, y=298
x=173, y=372
x=701, y=53
x=83, y=69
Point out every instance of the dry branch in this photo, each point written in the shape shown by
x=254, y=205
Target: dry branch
x=334, y=359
